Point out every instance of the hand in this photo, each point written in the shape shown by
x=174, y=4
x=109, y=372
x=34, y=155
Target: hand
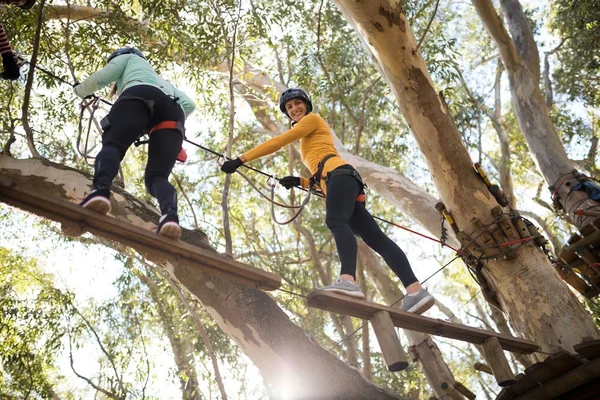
x=230, y=166
x=289, y=182
x=11, y=68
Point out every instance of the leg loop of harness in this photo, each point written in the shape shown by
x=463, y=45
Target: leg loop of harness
x=182, y=156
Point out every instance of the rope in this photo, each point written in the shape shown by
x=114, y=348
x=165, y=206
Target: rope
x=417, y=233
x=92, y=106
x=300, y=208
x=292, y=293
x=562, y=180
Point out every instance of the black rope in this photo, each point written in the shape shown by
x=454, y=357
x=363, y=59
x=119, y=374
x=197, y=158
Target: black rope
x=292, y=293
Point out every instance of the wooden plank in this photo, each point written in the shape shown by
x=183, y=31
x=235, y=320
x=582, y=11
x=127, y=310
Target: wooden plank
x=589, y=350
x=555, y=365
x=589, y=391
x=565, y=383
x=497, y=361
x=138, y=238
x=505, y=394
x=389, y=342
x=523, y=385
x=574, y=280
x=592, y=237
x=346, y=305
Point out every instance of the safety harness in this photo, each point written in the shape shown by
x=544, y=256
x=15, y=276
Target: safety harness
x=182, y=156
x=318, y=176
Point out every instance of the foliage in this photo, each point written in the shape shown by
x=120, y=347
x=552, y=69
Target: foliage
x=578, y=24
x=32, y=324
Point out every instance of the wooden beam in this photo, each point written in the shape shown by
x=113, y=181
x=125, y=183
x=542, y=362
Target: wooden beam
x=346, y=305
x=594, y=237
x=462, y=389
x=589, y=349
x=483, y=368
x=497, y=361
x=389, y=342
x=565, y=383
x=138, y=238
x=451, y=392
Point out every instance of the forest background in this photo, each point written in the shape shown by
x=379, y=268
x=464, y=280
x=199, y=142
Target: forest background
x=82, y=318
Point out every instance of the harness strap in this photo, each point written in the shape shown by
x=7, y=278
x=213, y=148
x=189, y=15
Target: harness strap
x=316, y=178
x=182, y=156
x=342, y=171
x=148, y=103
x=168, y=125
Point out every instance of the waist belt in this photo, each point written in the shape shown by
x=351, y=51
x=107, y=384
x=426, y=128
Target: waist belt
x=353, y=173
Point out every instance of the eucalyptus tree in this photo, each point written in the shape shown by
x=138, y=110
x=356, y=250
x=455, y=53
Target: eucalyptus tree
x=521, y=59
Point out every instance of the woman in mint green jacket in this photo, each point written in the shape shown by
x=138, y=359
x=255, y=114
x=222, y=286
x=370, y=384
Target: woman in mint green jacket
x=147, y=104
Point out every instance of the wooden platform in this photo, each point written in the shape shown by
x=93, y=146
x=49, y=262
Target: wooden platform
x=140, y=239
x=346, y=305
x=582, y=256
x=561, y=376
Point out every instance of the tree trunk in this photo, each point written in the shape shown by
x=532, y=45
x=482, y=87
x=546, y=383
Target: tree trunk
x=521, y=59
x=539, y=305
x=294, y=364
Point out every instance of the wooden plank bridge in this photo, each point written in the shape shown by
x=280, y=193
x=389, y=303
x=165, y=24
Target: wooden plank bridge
x=385, y=318
x=140, y=239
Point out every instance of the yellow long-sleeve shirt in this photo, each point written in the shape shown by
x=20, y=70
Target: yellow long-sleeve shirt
x=316, y=142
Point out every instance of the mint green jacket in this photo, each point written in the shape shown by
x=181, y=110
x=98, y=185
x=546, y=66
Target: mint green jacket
x=129, y=70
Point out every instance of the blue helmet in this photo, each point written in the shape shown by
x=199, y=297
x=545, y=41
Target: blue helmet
x=294, y=93
x=125, y=50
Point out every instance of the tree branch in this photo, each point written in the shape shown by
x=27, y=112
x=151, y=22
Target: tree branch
x=437, y=3
x=187, y=199
x=99, y=341
x=29, y=84
x=89, y=381
x=493, y=23
x=522, y=35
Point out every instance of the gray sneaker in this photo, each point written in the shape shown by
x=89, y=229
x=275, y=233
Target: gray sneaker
x=343, y=286
x=418, y=303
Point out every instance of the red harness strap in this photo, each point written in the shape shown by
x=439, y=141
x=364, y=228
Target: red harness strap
x=182, y=156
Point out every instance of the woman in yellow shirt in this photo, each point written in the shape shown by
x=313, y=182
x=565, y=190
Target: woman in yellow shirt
x=346, y=214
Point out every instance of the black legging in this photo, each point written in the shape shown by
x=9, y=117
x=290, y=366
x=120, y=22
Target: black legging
x=128, y=118
x=346, y=217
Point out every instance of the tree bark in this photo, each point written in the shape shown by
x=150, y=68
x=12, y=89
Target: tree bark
x=294, y=364
x=539, y=305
